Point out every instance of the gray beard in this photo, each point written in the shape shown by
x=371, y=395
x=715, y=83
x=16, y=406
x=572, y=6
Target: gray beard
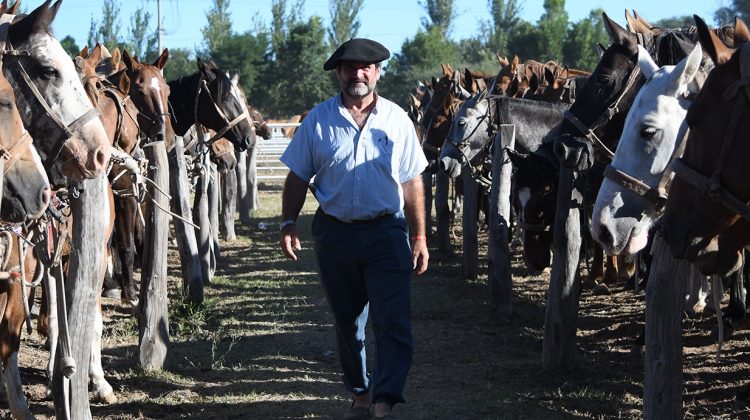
x=358, y=89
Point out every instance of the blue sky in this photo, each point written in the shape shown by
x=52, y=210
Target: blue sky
x=388, y=21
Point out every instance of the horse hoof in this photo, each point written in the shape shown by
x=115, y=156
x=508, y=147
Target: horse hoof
x=602, y=289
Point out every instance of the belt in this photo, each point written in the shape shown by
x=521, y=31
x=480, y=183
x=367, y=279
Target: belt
x=355, y=222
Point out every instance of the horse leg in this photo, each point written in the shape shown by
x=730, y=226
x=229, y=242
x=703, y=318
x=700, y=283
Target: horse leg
x=126, y=214
x=100, y=387
x=596, y=274
x=10, y=328
x=695, y=301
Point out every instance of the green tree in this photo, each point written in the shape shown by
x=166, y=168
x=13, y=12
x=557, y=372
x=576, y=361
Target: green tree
x=181, y=63
x=420, y=58
x=218, y=26
x=247, y=54
x=295, y=81
x=579, y=48
x=525, y=42
x=440, y=15
x=107, y=31
x=675, y=22
x=505, y=19
x=725, y=15
x=282, y=20
x=70, y=46
x=344, y=21
x=142, y=41
x=552, y=28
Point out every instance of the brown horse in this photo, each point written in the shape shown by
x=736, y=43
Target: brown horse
x=707, y=219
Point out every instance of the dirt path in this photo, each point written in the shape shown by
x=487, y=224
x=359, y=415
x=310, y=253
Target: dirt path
x=264, y=348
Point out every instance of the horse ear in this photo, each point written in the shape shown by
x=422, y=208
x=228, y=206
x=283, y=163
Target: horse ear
x=205, y=70
x=644, y=21
x=618, y=34
x=236, y=78
x=646, y=63
x=447, y=71
x=716, y=49
x=105, y=52
x=161, y=61
x=96, y=54
x=116, y=59
x=503, y=61
x=84, y=52
x=130, y=64
x=741, y=33
x=14, y=9
x=548, y=76
x=686, y=69
x=533, y=84
x=514, y=64
x=630, y=20
x=121, y=80
x=600, y=49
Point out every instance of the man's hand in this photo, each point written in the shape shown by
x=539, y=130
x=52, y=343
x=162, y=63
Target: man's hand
x=420, y=255
x=290, y=242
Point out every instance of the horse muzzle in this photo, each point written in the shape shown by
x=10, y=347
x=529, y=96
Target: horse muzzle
x=574, y=153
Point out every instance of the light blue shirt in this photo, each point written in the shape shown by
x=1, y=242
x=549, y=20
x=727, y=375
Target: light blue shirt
x=358, y=173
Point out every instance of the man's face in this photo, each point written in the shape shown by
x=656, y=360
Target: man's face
x=357, y=79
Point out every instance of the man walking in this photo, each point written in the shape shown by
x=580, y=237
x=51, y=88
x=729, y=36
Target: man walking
x=364, y=154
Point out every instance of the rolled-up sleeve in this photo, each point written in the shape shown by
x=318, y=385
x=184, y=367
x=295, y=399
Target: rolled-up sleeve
x=298, y=156
x=413, y=161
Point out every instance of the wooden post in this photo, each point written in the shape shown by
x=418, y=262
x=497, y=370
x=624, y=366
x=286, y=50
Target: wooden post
x=252, y=179
x=201, y=217
x=243, y=206
x=192, y=275
x=228, y=204
x=214, y=193
x=427, y=185
x=153, y=314
x=500, y=281
x=561, y=311
x=665, y=300
x=442, y=212
x=91, y=212
x=470, y=228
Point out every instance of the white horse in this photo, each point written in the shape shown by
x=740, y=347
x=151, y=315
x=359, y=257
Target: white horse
x=654, y=128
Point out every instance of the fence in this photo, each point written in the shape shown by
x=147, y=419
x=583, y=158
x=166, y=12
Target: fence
x=269, y=151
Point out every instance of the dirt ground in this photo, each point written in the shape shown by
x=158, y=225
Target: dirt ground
x=263, y=347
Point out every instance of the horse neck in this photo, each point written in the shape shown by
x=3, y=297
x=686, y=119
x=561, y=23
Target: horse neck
x=183, y=93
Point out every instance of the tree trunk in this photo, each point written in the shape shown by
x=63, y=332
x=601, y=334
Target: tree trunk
x=153, y=314
x=561, y=312
x=243, y=205
x=201, y=218
x=228, y=204
x=192, y=274
x=214, y=194
x=252, y=179
x=500, y=280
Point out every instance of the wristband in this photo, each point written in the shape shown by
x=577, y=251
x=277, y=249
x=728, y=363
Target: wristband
x=286, y=223
x=418, y=238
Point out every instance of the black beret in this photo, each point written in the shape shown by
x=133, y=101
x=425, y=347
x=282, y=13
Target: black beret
x=360, y=50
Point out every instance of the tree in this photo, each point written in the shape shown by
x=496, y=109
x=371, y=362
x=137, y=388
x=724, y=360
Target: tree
x=218, y=26
x=247, y=54
x=142, y=41
x=440, y=15
x=505, y=19
x=281, y=20
x=419, y=59
x=181, y=63
x=725, y=15
x=295, y=81
x=107, y=31
x=552, y=28
x=525, y=41
x=70, y=46
x=579, y=48
x=675, y=22
x=344, y=21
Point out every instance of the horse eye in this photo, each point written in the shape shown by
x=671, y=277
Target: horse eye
x=461, y=123
x=49, y=72
x=6, y=104
x=648, y=132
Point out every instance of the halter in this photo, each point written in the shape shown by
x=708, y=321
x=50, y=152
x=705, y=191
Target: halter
x=609, y=113
x=711, y=186
x=484, y=151
x=203, y=86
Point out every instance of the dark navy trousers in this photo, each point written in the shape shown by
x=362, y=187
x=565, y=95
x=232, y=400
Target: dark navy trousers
x=367, y=267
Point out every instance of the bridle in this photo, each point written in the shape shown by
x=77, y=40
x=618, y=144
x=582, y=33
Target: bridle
x=484, y=152
x=711, y=186
x=203, y=87
x=120, y=100
x=589, y=131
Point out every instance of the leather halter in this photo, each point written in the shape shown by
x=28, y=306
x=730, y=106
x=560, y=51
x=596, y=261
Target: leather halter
x=711, y=186
x=203, y=87
x=613, y=109
x=68, y=131
x=657, y=196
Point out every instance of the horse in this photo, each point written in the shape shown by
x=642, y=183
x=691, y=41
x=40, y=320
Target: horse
x=207, y=98
x=710, y=177
x=51, y=99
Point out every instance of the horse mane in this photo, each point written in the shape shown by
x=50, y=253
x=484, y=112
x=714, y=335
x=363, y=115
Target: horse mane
x=671, y=46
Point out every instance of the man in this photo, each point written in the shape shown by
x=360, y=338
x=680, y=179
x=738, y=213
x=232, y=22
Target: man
x=366, y=160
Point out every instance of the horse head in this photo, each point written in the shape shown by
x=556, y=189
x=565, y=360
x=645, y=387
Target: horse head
x=26, y=191
x=469, y=135
x=242, y=99
x=600, y=107
x=150, y=94
x=653, y=132
x=706, y=220
x=222, y=154
x=535, y=177
x=51, y=99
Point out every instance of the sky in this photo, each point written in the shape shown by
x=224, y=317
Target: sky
x=390, y=22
